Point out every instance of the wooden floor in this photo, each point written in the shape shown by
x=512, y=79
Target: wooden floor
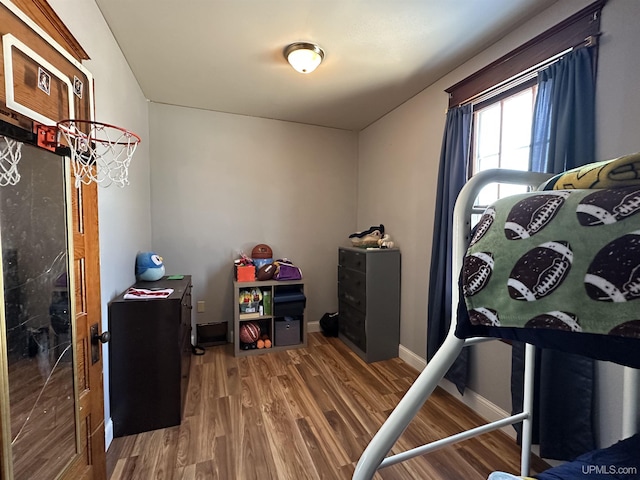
x=303, y=414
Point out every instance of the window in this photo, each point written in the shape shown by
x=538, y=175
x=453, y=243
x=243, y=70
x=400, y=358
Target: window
x=502, y=123
x=502, y=139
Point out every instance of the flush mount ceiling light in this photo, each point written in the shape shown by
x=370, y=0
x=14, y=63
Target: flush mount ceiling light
x=304, y=57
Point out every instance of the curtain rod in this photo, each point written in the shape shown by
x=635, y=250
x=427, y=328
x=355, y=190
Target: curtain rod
x=520, y=78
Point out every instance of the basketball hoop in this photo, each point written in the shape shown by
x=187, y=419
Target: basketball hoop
x=100, y=152
x=10, y=154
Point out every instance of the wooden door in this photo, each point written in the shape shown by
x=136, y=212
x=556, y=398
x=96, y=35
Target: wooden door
x=90, y=463
x=51, y=410
x=36, y=27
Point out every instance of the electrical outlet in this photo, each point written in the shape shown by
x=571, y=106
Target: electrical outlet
x=201, y=306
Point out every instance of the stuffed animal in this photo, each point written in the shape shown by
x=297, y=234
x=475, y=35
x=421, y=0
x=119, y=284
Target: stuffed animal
x=385, y=241
x=149, y=266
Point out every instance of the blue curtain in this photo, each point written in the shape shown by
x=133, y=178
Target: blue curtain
x=562, y=138
x=564, y=115
x=452, y=175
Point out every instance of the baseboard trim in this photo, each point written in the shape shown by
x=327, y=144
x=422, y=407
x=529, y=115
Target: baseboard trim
x=476, y=402
x=479, y=404
x=416, y=361
x=313, y=327
x=108, y=433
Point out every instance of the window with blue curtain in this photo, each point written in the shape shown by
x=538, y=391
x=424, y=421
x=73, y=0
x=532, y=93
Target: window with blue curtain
x=558, y=67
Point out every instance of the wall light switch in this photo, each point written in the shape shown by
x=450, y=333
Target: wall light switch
x=201, y=306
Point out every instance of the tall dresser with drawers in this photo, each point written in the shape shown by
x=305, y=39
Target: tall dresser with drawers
x=369, y=301
x=149, y=357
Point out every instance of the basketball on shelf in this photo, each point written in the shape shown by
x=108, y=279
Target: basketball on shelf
x=249, y=332
x=261, y=251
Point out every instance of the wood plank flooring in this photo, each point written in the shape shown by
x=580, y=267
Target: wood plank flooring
x=303, y=414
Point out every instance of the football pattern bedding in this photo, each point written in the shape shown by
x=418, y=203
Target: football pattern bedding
x=561, y=259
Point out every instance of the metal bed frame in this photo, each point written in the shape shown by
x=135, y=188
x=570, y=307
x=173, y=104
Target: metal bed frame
x=374, y=456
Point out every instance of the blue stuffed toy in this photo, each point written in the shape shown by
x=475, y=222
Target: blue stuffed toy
x=149, y=266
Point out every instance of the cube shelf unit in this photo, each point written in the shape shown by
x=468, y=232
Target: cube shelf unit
x=268, y=322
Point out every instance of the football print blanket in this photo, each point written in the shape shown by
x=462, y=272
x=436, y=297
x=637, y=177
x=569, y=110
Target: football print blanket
x=561, y=259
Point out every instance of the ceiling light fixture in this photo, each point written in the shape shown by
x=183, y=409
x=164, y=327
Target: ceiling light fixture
x=304, y=57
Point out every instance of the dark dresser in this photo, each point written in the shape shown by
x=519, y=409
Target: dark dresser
x=149, y=358
x=369, y=301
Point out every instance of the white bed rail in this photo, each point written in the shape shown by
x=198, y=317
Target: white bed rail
x=373, y=457
x=631, y=395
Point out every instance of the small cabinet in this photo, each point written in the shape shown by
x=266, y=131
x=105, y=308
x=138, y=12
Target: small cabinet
x=149, y=358
x=273, y=309
x=369, y=301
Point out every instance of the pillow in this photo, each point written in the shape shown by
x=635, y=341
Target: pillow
x=618, y=172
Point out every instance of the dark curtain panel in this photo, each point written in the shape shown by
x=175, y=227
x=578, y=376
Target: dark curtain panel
x=563, y=402
x=452, y=175
x=562, y=138
x=564, y=116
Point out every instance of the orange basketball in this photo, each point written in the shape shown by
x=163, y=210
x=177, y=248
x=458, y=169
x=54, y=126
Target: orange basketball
x=249, y=332
x=262, y=251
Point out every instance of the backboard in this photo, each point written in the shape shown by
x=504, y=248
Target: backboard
x=40, y=82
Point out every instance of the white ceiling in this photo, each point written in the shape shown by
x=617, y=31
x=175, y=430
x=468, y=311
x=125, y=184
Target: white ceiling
x=226, y=55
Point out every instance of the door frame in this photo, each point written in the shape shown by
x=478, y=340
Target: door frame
x=50, y=33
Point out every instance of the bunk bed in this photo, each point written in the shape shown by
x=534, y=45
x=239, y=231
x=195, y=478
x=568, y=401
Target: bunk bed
x=540, y=244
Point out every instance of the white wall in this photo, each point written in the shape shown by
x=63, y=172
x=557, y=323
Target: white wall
x=398, y=165
x=203, y=160
x=617, y=111
x=222, y=183
x=124, y=214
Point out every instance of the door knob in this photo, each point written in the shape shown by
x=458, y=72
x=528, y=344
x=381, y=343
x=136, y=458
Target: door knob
x=104, y=337
x=96, y=339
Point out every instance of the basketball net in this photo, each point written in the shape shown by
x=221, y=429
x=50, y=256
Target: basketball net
x=100, y=153
x=10, y=154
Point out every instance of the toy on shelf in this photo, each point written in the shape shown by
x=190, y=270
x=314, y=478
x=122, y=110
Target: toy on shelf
x=266, y=272
x=264, y=342
x=245, y=270
x=249, y=300
x=252, y=338
x=261, y=255
x=385, y=241
x=149, y=266
x=249, y=332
